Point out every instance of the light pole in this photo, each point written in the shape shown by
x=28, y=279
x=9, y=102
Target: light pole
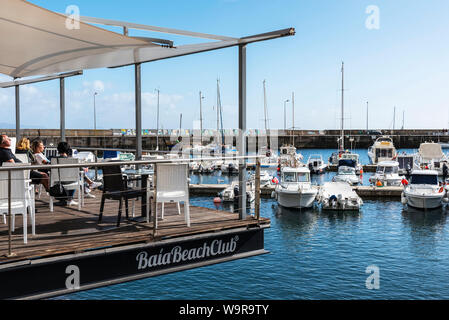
x=157, y=125
x=95, y=113
x=285, y=117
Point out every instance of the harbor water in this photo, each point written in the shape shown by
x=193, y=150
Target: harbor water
x=317, y=255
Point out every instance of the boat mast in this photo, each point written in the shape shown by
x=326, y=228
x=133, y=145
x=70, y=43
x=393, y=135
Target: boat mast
x=157, y=129
x=201, y=120
x=265, y=106
x=220, y=113
x=293, y=118
x=367, y=117
x=342, y=142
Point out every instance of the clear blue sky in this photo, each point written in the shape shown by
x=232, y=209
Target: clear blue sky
x=405, y=63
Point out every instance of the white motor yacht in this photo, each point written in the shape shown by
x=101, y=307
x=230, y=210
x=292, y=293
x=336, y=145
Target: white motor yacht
x=407, y=163
x=355, y=157
x=431, y=156
x=346, y=173
x=228, y=194
x=295, y=189
x=387, y=172
x=316, y=164
x=338, y=196
x=423, y=190
x=382, y=150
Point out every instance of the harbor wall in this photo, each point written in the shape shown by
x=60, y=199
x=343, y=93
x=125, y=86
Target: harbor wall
x=302, y=139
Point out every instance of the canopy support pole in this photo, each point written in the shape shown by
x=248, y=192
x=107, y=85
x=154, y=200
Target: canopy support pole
x=138, y=89
x=242, y=131
x=62, y=108
x=17, y=113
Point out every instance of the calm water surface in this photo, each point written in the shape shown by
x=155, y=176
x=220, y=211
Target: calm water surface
x=316, y=255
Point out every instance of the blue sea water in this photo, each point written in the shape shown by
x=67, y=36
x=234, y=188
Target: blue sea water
x=315, y=255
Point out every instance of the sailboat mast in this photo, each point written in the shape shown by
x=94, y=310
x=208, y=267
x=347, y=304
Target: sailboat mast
x=293, y=117
x=342, y=142
x=201, y=120
x=265, y=106
x=218, y=110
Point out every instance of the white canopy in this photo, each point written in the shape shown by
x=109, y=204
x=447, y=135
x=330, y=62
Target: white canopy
x=430, y=151
x=35, y=41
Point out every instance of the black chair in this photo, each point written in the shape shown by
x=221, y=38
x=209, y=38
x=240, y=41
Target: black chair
x=115, y=187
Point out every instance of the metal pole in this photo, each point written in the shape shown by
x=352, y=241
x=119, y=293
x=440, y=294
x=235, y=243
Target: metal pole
x=95, y=132
x=154, y=203
x=242, y=130
x=17, y=114
x=367, y=109
x=342, y=145
x=157, y=122
x=257, y=190
x=10, y=254
x=138, y=97
x=201, y=120
x=62, y=108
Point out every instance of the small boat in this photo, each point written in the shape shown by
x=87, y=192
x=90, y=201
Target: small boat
x=387, y=172
x=407, y=163
x=338, y=196
x=353, y=156
x=84, y=156
x=424, y=191
x=431, y=156
x=295, y=189
x=230, y=167
x=270, y=160
x=316, y=164
x=346, y=173
x=206, y=167
x=266, y=179
x=382, y=150
x=336, y=156
x=229, y=194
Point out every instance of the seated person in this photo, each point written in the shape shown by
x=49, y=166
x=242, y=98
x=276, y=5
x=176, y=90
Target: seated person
x=6, y=154
x=37, y=147
x=64, y=151
x=23, y=147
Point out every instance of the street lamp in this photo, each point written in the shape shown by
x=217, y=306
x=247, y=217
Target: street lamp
x=285, y=117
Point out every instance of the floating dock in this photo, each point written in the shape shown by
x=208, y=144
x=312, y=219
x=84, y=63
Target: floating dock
x=71, y=251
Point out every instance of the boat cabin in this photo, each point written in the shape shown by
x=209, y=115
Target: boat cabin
x=295, y=175
x=424, y=177
x=388, y=167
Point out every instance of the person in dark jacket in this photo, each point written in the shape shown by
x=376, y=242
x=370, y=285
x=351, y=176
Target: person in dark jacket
x=444, y=172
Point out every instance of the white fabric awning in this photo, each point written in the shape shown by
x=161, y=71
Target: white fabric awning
x=35, y=41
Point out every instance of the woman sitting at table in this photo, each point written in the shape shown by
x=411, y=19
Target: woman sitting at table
x=65, y=151
x=37, y=177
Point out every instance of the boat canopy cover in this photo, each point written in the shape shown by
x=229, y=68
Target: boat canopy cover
x=35, y=41
x=346, y=163
x=430, y=151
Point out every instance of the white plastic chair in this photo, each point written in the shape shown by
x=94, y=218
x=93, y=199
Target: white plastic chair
x=22, y=198
x=172, y=186
x=72, y=175
x=23, y=157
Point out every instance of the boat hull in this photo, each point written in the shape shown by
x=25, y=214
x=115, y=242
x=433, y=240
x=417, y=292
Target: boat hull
x=424, y=202
x=296, y=200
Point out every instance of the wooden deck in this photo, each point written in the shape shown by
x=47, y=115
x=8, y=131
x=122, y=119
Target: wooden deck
x=67, y=230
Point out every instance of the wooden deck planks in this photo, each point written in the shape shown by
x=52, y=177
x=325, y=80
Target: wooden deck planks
x=68, y=230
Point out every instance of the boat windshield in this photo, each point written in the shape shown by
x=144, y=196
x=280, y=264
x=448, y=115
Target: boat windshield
x=384, y=152
x=346, y=170
x=296, y=177
x=424, y=179
x=387, y=169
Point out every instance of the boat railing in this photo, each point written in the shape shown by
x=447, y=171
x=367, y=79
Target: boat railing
x=149, y=185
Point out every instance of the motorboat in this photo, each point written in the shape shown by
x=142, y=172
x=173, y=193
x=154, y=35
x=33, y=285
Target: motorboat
x=194, y=166
x=230, y=167
x=382, y=150
x=230, y=192
x=295, y=189
x=346, y=173
x=338, y=196
x=431, y=156
x=353, y=156
x=407, y=163
x=266, y=179
x=316, y=164
x=270, y=159
x=387, y=173
x=423, y=190
x=206, y=167
x=84, y=156
x=336, y=156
